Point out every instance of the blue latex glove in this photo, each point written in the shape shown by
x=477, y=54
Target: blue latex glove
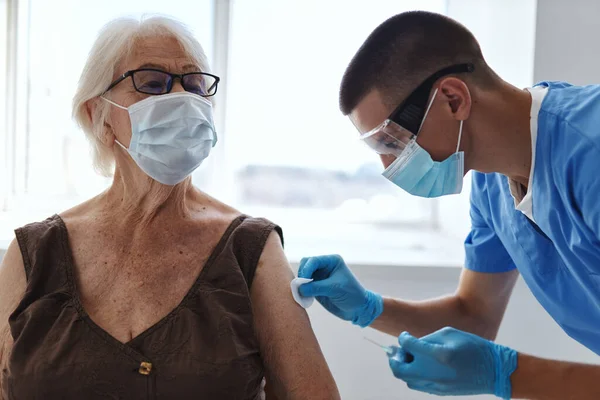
x=452, y=362
x=338, y=290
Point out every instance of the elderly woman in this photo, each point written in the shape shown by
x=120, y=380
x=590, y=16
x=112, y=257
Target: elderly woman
x=152, y=289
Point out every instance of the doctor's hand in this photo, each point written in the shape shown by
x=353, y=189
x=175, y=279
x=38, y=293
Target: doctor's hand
x=452, y=362
x=338, y=290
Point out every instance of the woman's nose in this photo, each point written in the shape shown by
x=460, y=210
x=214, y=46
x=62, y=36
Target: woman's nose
x=177, y=86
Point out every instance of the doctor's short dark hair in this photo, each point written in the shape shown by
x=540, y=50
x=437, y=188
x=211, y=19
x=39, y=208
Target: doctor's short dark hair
x=406, y=49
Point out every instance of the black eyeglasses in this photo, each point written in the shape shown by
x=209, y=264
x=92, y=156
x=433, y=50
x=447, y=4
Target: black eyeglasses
x=410, y=113
x=155, y=82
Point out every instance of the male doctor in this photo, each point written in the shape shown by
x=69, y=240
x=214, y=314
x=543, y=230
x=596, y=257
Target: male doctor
x=422, y=96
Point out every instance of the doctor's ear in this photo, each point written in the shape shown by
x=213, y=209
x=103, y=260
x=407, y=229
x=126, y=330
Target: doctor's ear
x=457, y=96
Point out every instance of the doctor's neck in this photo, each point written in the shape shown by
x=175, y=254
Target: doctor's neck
x=500, y=139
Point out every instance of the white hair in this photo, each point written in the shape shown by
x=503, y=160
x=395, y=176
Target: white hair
x=115, y=43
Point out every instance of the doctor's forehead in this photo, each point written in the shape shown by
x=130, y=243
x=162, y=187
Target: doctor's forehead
x=369, y=112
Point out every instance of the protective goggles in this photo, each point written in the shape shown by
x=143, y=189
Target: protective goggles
x=403, y=125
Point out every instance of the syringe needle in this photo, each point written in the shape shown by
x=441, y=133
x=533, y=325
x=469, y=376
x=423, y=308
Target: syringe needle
x=386, y=348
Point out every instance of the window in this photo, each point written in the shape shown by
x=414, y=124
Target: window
x=292, y=156
x=289, y=148
x=285, y=151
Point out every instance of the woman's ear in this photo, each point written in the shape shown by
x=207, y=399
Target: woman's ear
x=106, y=134
x=458, y=96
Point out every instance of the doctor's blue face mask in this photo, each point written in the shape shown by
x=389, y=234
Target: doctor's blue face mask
x=414, y=170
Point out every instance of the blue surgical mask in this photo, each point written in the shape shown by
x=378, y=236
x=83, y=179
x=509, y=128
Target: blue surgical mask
x=171, y=135
x=417, y=173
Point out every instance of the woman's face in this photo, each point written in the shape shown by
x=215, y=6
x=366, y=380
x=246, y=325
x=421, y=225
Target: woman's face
x=162, y=53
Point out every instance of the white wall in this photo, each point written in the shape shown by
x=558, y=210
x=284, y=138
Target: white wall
x=567, y=47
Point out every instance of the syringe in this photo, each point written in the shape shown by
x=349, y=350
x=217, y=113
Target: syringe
x=394, y=352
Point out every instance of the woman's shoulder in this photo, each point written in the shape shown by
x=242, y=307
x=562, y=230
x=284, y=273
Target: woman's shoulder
x=246, y=229
x=242, y=227
x=84, y=210
x=217, y=211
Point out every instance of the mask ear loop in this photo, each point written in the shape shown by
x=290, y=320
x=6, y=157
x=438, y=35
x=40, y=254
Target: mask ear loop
x=120, y=144
x=113, y=103
x=459, y=136
x=121, y=107
x=428, y=108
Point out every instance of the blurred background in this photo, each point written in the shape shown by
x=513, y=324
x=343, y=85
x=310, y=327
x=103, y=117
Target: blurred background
x=285, y=152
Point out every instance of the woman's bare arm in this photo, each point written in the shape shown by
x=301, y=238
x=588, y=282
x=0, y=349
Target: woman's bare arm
x=295, y=366
x=12, y=289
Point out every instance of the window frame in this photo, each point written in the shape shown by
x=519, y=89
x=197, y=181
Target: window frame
x=8, y=15
x=16, y=97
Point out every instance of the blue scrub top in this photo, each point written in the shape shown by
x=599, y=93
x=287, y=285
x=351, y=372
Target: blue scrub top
x=559, y=258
